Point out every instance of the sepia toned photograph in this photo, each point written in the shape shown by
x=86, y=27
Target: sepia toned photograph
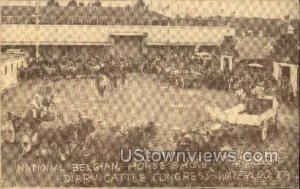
x=149, y=93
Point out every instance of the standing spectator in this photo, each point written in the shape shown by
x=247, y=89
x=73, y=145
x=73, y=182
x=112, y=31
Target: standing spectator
x=72, y=3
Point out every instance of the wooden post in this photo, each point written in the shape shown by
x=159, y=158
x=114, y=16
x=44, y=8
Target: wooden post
x=37, y=51
x=37, y=54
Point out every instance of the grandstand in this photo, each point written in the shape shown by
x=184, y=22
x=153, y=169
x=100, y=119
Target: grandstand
x=134, y=28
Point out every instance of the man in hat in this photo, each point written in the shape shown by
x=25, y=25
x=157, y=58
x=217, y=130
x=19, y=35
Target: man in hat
x=48, y=100
x=36, y=104
x=259, y=89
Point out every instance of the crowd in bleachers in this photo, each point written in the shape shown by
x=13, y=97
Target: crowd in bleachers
x=176, y=67
x=185, y=71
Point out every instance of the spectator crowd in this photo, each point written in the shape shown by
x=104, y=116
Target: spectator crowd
x=173, y=67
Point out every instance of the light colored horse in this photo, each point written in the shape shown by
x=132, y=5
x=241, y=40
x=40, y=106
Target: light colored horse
x=91, y=70
x=68, y=70
x=240, y=93
x=48, y=71
x=102, y=83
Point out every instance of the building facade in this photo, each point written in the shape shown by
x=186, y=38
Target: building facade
x=122, y=40
x=288, y=71
x=10, y=63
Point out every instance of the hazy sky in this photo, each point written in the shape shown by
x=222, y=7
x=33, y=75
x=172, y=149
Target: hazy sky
x=246, y=8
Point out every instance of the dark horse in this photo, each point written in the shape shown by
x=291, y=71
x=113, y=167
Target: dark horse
x=31, y=72
x=68, y=137
x=109, y=141
x=57, y=140
x=114, y=73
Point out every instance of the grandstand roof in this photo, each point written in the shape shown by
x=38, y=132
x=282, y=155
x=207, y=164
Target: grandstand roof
x=10, y=56
x=80, y=34
x=129, y=34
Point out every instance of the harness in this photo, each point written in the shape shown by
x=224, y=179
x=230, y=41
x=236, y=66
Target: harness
x=47, y=102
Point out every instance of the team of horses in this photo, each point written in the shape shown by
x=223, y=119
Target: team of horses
x=243, y=81
x=81, y=139
x=48, y=71
x=106, y=76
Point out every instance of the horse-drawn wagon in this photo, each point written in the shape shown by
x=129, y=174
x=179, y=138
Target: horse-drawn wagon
x=216, y=134
x=260, y=114
x=23, y=130
x=44, y=136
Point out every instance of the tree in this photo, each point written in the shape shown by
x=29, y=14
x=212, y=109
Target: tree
x=287, y=47
x=140, y=4
x=72, y=3
x=228, y=45
x=97, y=3
x=52, y=3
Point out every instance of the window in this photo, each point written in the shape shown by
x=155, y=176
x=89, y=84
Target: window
x=12, y=68
x=226, y=63
x=286, y=72
x=5, y=71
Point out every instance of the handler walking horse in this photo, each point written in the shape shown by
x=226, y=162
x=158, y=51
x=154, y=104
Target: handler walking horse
x=48, y=71
x=67, y=70
x=102, y=83
x=114, y=74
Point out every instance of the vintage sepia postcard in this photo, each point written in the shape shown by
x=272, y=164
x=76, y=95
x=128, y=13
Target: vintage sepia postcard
x=149, y=93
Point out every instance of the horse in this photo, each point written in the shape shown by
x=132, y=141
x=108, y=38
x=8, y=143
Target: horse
x=102, y=83
x=114, y=74
x=120, y=74
x=17, y=124
x=109, y=141
x=240, y=94
x=27, y=130
x=67, y=70
x=31, y=72
x=48, y=71
x=22, y=74
x=92, y=70
x=66, y=139
x=138, y=135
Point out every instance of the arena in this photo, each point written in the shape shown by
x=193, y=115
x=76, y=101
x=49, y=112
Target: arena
x=90, y=86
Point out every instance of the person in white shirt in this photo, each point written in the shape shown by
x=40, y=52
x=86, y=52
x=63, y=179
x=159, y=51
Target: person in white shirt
x=36, y=105
x=49, y=99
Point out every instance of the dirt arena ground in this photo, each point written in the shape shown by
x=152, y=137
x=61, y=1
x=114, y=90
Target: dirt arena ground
x=144, y=98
